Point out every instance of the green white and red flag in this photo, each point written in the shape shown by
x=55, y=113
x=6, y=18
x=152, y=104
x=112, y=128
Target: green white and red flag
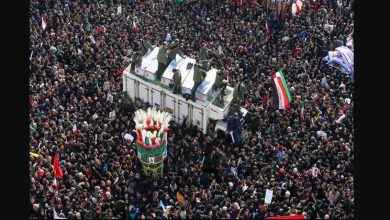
x=282, y=96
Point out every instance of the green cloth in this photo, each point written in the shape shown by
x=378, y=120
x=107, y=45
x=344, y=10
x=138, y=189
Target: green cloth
x=180, y=1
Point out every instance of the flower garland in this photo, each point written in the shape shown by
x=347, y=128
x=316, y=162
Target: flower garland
x=152, y=128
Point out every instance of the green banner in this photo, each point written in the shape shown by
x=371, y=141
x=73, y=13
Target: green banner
x=152, y=152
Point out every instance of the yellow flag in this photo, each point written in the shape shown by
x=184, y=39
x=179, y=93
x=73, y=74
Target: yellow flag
x=35, y=154
x=179, y=198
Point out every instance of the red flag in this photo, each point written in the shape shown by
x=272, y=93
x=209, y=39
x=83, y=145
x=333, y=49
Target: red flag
x=315, y=5
x=119, y=73
x=297, y=53
x=266, y=30
x=57, y=168
x=287, y=217
x=39, y=174
x=99, y=29
x=298, y=9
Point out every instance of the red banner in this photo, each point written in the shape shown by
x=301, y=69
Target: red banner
x=287, y=217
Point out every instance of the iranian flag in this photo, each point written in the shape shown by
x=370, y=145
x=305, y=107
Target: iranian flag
x=75, y=130
x=135, y=28
x=92, y=39
x=43, y=23
x=55, y=184
x=302, y=112
x=55, y=214
x=283, y=98
x=296, y=7
x=57, y=168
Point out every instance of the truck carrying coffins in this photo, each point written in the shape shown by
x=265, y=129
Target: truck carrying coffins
x=178, y=82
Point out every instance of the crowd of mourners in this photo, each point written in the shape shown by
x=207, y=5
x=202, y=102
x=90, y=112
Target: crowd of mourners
x=304, y=153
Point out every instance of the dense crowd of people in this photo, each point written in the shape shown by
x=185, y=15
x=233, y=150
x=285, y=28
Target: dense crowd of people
x=305, y=154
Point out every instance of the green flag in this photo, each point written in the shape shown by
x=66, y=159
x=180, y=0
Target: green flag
x=32, y=128
x=180, y=1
